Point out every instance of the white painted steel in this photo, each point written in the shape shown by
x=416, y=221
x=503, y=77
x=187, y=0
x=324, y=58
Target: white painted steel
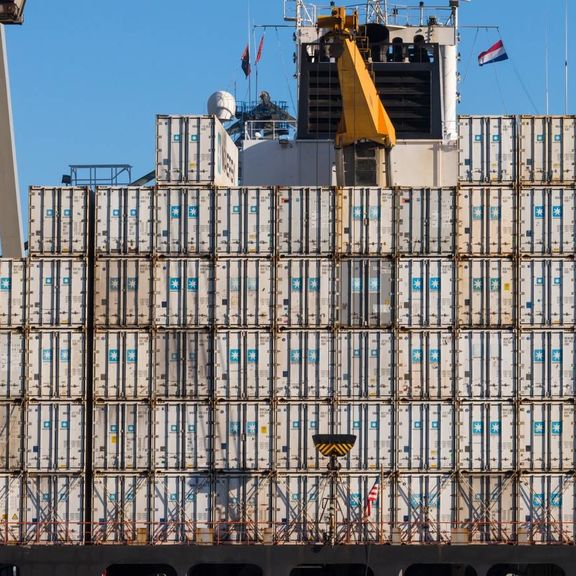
x=56, y=364
x=12, y=365
x=123, y=366
x=195, y=150
x=58, y=221
x=123, y=294
x=488, y=148
x=125, y=221
x=305, y=365
x=54, y=509
x=12, y=292
x=10, y=509
x=548, y=221
x=243, y=293
x=244, y=220
x=305, y=292
x=425, y=436
x=366, y=364
x=305, y=221
x=425, y=291
x=487, y=220
x=184, y=292
x=242, y=436
x=548, y=149
x=486, y=436
x=11, y=436
x=366, y=220
x=548, y=292
x=184, y=364
x=425, y=220
x=366, y=292
x=55, y=436
x=184, y=220
x=450, y=94
x=547, y=365
x=121, y=436
x=182, y=436
x=486, y=366
x=486, y=291
x=243, y=365
x=57, y=292
x=425, y=365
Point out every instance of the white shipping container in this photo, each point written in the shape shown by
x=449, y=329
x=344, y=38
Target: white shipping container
x=548, y=149
x=57, y=292
x=242, y=436
x=486, y=290
x=195, y=150
x=546, y=436
x=305, y=221
x=123, y=294
x=366, y=364
x=486, y=433
x=12, y=292
x=58, y=221
x=54, y=509
x=548, y=292
x=486, y=220
x=55, y=436
x=547, y=365
x=11, y=436
x=245, y=220
x=10, y=509
x=425, y=220
x=123, y=365
x=425, y=292
x=305, y=292
x=425, y=436
x=366, y=220
x=56, y=364
x=125, y=220
x=122, y=438
x=184, y=365
x=12, y=365
x=488, y=147
x=244, y=292
x=425, y=365
x=548, y=221
x=305, y=365
x=366, y=292
x=486, y=366
x=184, y=292
x=121, y=508
x=243, y=365
x=182, y=436
x=184, y=220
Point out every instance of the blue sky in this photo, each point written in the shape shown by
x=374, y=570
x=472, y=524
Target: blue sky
x=88, y=80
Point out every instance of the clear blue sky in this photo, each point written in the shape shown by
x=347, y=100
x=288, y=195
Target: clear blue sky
x=89, y=76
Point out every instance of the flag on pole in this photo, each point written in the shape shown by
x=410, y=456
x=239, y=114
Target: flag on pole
x=496, y=53
x=246, y=61
x=372, y=497
x=259, y=53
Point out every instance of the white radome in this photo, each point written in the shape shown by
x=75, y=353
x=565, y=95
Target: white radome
x=222, y=105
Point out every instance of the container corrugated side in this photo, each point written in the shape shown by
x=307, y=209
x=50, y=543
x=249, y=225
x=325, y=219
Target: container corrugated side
x=125, y=221
x=58, y=221
x=548, y=149
x=195, y=150
x=10, y=508
x=12, y=365
x=488, y=149
x=13, y=290
x=123, y=294
x=11, y=436
x=487, y=220
x=57, y=292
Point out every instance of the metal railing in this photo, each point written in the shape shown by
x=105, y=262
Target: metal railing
x=269, y=130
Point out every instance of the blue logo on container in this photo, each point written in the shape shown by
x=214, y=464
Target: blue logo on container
x=477, y=212
x=477, y=284
x=114, y=284
x=131, y=356
x=356, y=424
x=254, y=209
x=374, y=213
x=313, y=425
x=116, y=213
x=539, y=355
x=133, y=212
x=496, y=138
x=494, y=213
x=477, y=427
x=65, y=355
x=48, y=281
x=251, y=428
x=296, y=424
x=194, y=138
x=313, y=284
x=539, y=212
x=557, y=137
x=5, y=284
x=556, y=355
x=174, y=211
x=374, y=353
x=434, y=284
x=234, y=355
x=47, y=355
x=417, y=425
x=132, y=284
x=374, y=285
x=556, y=211
x=555, y=499
x=556, y=428
x=355, y=500
x=64, y=424
x=537, y=499
x=417, y=355
x=192, y=284
x=416, y=284
x=113, y=356
x=46, y=425
x=434, y=356
x=67, y=213
x=49, y=213
x=357, y=213
x=495, y=428
x=192, y=211
x=494, y=284
x=296, y=285
x=252, y=356
x=176, y=137
x=356, y=284
x=434, y=425
x=295, y=356
x=131, y=428
x=313, y=356
x=538, y=428
x=478, y=138
x=374, y=425
x=174, y=284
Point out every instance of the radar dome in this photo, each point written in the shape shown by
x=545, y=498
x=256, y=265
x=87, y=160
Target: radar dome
x=222, y=105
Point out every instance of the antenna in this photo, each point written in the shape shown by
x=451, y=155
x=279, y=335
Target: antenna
x=566, y=57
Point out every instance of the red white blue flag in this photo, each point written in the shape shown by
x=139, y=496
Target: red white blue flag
x=496, y=53
x=372, y=497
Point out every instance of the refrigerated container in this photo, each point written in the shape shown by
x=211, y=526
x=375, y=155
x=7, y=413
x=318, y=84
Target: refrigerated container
x=12, y=365
x=11, y=508
x=13, y=290
x=12, y=439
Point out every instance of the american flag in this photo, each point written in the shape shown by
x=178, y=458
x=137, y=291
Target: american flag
x=372, y=497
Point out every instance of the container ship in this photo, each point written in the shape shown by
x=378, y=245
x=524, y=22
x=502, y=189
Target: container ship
x=337, y=345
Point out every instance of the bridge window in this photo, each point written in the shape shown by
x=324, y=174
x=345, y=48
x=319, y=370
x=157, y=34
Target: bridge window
x=332, y=570
x=225, y=570
x=440, y=570
x=139, y=570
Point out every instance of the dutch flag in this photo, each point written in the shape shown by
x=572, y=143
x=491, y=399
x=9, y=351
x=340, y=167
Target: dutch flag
x=495, y=53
